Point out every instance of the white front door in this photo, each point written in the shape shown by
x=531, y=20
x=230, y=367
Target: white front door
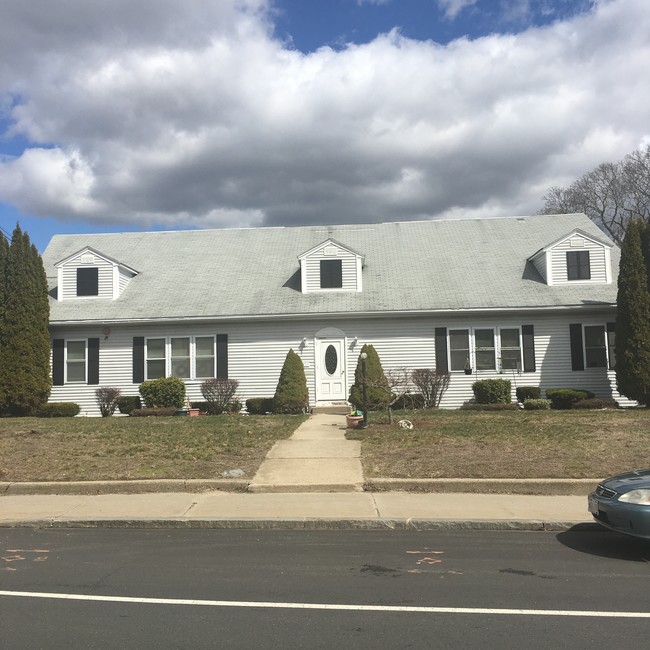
x=330, y=370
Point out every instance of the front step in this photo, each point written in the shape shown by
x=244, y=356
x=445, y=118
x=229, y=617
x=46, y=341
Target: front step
x=332, y=409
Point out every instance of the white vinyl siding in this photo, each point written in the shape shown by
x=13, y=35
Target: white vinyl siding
x=350, y=269
x=68, y=278
x=256, y=353
x=597, y=260
x=123, y=279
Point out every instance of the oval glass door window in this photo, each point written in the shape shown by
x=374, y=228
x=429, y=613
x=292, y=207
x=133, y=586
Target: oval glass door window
x=331, y=359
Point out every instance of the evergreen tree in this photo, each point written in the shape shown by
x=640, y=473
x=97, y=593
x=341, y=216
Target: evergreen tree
x=291, y=395
x=4, y=253
x=25, y=347
x=633, y=319
x=378, y=393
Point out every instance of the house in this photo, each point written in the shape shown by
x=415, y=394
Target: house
x=531, y=299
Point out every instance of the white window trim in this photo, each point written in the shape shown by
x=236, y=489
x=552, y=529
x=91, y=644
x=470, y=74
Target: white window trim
x=65, y=361
x=475, y=348
x=168, y=355
x=470, y=355
x=472, y=351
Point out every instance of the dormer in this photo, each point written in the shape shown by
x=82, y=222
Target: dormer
x=91, y=274
x=330, y=266
x=577, y=258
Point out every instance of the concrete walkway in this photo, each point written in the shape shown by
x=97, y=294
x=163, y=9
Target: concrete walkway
x=316, y=458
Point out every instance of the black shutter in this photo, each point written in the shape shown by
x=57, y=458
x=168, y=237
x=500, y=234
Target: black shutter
x=93, y=361
x=528, y=338
x=611, y=345
x=58, y=375
x=222, y=356
x=577, y=357
x=441, y=349
x=138, y=359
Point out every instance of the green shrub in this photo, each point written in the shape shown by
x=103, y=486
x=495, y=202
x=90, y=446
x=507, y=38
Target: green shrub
x=156, y=411
x=378, y=393
x=565, y=398
x=492, y=391
x=595, y=403
x=528, y=392
x=259, y=405
x=409, y=401
x=128, y=403
x=167, y=392
x=106, y=398
x=58, y=410
x=537, y=404
x=498, y=406
x=291, y=394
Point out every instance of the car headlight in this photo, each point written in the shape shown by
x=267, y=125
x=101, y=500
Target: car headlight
x=636, y=496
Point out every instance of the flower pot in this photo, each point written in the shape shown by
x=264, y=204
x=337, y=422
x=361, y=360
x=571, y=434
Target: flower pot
x=353, y=421
x=193, y=412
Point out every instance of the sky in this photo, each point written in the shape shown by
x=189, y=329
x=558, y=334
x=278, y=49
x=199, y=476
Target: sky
x=166, y=114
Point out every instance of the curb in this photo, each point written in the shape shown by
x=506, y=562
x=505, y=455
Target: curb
x=313, y=524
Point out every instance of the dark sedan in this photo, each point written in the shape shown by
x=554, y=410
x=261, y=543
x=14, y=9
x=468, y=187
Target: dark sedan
x=622, y=503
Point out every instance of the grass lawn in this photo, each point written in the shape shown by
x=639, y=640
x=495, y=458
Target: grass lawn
x=75, y=449
x=506, y=444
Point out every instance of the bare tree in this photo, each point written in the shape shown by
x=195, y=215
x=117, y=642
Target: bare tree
x=432, y=383
x=610, y=195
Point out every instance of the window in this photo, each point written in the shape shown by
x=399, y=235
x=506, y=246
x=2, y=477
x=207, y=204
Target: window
x=184, y=356
x=510, y=349
x=577, y=264
x=485, y=352
x=204, y=355
x=459, y=349
x=180, y=357
x=331, y=274
x=595, y=347
x=156, y=358
x=75, y=361
x=87, y=281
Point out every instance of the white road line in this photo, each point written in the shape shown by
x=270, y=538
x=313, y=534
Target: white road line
x=327, y=606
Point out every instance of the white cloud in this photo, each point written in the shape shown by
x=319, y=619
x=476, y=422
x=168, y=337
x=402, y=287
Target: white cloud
x=451, y=8
x=200, y=118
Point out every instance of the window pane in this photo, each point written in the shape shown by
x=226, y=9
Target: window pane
x=459, y=339
x=77, y=371
x=485, y=360
x=88, y=281
x=180, y=367
x=595, y=337
x=331, y=274
x=204, y=346
x=484, y=338
x=155, y=348
x=510, y=359
x=458, y=359
x=205, y=367
x=155, y=369
x=596, y=358
x=181, y=347
x=510, y=338
x=76, y=350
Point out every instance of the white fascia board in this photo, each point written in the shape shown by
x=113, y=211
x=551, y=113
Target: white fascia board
x=106, y=258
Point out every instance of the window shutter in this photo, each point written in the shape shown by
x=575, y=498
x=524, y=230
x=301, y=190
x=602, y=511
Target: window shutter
x=611, y=344
x=93, y=361
x=58, y=375
x=577, y=358
x=222, y=356
x=138, y=359
x=441, y=349
x=528, y=340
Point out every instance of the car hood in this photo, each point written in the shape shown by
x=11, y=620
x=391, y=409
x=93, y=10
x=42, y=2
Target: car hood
x=622, y=483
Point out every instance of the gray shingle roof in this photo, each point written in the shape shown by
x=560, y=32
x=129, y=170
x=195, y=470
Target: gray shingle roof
x=409, y=266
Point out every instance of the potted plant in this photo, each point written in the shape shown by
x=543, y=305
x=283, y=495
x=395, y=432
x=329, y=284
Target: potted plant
x=354, y=419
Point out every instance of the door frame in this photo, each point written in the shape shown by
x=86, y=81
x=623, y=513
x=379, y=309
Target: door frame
x=326, y=335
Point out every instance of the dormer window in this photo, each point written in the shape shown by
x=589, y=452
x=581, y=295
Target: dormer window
x=331, y=274
x=87, y=281
x=578, y=265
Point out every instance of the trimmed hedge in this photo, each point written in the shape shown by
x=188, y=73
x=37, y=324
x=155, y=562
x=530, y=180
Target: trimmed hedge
x=565, y=398
x=156, y=411
x=528, y=392
x=537, y=404
x=500, y=406
x=259, y=405
x=128, y=403
x=58, y=410
x=595, y=403
x=492, y=391
x=166, y=392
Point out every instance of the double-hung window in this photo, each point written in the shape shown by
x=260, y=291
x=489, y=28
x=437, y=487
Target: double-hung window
x=180, y=357
x=75, y=361
x=578, y=266
x=485, y=350
x=595, y=346
x=204, y=356
x=459, y=349
x=87, y=281
x=510, y=348
x=156, y=356
x=331, y=274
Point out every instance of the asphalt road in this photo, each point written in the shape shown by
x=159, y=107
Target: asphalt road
x=321, y=589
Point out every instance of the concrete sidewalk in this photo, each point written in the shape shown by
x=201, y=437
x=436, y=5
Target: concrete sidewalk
x=296, y=510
